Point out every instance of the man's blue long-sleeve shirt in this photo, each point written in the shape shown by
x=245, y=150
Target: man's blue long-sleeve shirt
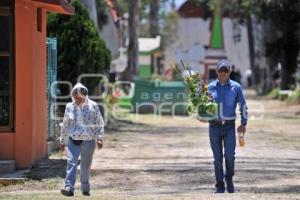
x=227, y=96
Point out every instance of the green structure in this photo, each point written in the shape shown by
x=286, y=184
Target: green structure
x=152, y=96
x=216, y=51
x=217, y=36
x=159, y=97
x=149, y=49
x=145, y=71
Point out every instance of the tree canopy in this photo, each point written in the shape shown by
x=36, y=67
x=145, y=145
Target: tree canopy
x=281, y=37
x=80, y=48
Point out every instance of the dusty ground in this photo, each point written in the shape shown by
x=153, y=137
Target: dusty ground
x=170, y=158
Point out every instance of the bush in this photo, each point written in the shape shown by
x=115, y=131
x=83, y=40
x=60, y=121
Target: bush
x=80, y=48
x=274, y=93
x=294, y=98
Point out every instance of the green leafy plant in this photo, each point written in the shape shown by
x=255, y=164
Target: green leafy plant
x=294, y=98
x=200, y=101
x=274, y=93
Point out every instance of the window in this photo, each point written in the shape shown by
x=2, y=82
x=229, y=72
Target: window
x=39, y=19
x=6, y=3
x=6, y=65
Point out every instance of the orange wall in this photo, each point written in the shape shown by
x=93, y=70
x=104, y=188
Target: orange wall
x=30, y=124
x=39, y=93
x=28, y=143
x=7, y=146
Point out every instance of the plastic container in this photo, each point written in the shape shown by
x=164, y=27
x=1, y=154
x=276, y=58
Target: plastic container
x=241, y=139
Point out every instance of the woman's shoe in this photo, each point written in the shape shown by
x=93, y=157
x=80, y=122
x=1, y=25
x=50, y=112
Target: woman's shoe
x=67, y=192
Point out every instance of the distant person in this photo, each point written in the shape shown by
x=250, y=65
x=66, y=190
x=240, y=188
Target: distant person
x=227, y=94
x=275, y=77
x=232, y=75
x=249, y=77
x=238, y=76
x=169, y=73
x=82, y=128
x=235, y=74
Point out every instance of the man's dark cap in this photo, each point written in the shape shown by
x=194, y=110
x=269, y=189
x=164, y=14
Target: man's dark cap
x=224, y=63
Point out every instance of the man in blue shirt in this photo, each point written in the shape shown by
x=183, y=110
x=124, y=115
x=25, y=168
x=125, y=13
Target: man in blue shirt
x=227, y=93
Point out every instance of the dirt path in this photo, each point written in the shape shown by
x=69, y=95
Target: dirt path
x=168, y=158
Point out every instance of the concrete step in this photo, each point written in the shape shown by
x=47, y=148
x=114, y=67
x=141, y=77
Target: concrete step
x=16, y=177
x=7, y=166
x=12, y=181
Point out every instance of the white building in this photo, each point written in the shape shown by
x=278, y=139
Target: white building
x=193, y=38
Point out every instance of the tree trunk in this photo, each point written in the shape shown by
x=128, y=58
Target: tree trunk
x=289, y=56
x=132, y=51
x=154, y=19
x=251, y=47
x=272, y=54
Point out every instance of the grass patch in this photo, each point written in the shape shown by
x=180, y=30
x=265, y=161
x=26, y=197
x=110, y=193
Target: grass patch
x=294, y=98
x=274, y=93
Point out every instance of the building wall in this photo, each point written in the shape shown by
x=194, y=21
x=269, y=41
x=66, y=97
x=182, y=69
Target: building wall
x=39, y=104
x=109, y=34
x=28, y=142
x=193, y=34
x=237, y=52
x=7, y=146
x=190, y=32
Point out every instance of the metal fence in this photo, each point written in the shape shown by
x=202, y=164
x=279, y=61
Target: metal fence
x=51, y=77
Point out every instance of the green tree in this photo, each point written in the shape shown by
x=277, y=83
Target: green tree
x=281, y=20
x=152, y=15
x=80, y=48
x=132, y=50
x=154, y=18
x=169, y=28
x=102, y=14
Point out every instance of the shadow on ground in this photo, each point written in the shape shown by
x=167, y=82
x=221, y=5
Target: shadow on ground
x=48, y=168
x=254, y=175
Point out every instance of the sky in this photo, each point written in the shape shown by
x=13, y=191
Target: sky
x=179, y=2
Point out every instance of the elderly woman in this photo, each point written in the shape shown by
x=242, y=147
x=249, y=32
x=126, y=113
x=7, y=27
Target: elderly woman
x=82, y=128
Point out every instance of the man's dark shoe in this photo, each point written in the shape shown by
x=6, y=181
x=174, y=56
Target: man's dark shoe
x=67, y=192
x=86, y=193
x=220, y=187
x=219, y=191
x=230, y=186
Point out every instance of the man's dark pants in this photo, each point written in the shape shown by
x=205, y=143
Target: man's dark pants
x=223, y=135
